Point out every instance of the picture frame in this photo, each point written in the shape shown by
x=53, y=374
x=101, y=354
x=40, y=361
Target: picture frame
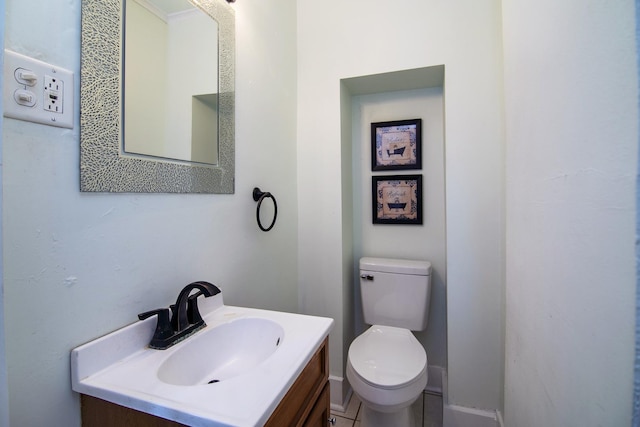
x=397, y=199
x=396, y=145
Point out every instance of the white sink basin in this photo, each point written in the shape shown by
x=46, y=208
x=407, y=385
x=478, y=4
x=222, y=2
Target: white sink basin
x=217, y=354
x=239, y=347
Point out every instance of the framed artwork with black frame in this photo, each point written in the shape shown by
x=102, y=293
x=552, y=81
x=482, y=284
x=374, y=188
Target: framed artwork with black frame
x=396, y=145
x=397, y=199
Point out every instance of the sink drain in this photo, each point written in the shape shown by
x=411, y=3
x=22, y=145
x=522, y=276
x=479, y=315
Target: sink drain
x=213, y=381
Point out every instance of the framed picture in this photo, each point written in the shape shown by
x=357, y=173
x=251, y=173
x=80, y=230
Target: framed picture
x=397, y=199
x=396, y=145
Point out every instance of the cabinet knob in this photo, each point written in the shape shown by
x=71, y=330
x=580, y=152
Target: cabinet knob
x=332, y=420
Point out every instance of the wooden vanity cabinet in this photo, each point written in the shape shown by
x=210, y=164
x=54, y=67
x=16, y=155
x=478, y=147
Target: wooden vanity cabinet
x=305, y=404
x=307, y=401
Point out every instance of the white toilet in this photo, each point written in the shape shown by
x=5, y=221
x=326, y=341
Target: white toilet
x=386, y=365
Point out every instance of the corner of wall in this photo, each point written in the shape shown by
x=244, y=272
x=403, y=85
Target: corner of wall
x=4, y=393
x=636, y=383
x=340, y=391
x=347, y=223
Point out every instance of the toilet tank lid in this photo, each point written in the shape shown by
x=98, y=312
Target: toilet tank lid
x=401, y=266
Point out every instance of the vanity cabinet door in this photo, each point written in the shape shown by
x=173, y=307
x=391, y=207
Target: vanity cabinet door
x=320, y=413
x=308, y=396
x=100, y=413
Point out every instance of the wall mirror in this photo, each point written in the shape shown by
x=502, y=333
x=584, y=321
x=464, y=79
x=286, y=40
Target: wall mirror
x=151, y=121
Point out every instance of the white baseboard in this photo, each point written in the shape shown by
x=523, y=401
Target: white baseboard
x=460, y=416
x=340, y=393
x=500, y=420
x=434, y=386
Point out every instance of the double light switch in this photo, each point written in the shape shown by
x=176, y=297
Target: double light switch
x=36, y=91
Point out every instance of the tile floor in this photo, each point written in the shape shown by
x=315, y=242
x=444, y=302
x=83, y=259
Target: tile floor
x=428, y=412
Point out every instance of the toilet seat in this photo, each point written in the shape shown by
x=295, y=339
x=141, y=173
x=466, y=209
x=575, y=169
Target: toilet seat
x=387, y=357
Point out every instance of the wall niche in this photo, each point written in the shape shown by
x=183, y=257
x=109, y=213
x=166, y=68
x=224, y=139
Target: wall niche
x=400, y=95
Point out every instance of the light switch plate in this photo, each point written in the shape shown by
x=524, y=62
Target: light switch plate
x=36, y=91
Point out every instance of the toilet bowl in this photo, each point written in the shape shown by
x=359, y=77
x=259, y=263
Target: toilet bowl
x=387, y=369
x=387, y=365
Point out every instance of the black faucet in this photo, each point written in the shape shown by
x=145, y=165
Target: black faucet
x=185, y=317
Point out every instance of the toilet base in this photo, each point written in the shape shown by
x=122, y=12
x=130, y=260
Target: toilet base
x=401, y=418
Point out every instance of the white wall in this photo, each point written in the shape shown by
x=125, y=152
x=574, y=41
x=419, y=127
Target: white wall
x=79, y=265
x=572, y=131
x=338, y=40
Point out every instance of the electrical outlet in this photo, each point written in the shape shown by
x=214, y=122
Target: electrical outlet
x=53, y=94
x=36, y=91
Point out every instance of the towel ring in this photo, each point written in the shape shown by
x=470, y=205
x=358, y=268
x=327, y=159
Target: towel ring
x=259, y=196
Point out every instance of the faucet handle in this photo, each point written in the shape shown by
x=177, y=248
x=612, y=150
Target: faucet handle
x=174, y=316
x=163, y=327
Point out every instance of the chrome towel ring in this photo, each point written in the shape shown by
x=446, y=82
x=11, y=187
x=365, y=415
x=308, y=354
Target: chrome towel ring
x=259, y=196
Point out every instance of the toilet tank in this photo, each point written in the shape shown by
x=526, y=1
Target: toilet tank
x=395, y=292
